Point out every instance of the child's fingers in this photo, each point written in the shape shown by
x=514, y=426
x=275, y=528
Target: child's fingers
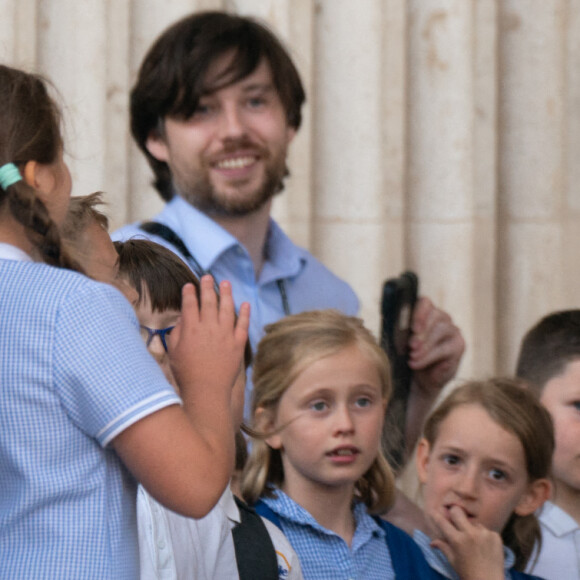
x=189, y=315
x=460, y=520
x=444, y=547
x=227, y=309
x=243, y=323
x=446, y=528
x=208, y=307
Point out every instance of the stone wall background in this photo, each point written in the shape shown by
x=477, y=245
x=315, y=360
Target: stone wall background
x=439, y=135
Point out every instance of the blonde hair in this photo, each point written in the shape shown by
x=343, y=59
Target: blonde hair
x=512, y=406
x=290, y=346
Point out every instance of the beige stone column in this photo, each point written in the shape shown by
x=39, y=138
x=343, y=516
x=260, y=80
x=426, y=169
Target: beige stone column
x=532, y=176
x=440, y=187
x=72, y=53
x=349, y=154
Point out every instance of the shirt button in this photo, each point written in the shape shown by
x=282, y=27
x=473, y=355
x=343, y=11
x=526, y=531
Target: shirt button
x=161, y=544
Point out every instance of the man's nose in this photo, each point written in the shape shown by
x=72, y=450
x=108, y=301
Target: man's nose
x=232, y=122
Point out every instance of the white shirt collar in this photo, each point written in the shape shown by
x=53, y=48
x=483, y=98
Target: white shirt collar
x=10, y=252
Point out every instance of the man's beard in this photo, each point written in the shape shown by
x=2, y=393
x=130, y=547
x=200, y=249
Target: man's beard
x=202, y=194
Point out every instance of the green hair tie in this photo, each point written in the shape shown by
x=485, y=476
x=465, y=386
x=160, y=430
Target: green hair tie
x=9, y=175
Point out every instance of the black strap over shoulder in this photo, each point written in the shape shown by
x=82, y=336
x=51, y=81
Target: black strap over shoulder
x=165, y=232
x=255, y=552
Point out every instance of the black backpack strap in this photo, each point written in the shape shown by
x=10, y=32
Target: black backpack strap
x=165, y=232
x=255, y=553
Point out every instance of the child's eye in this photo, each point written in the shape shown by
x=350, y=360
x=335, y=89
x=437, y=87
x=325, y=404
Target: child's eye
x=576, y=405
x=450, y=459
x=318, y=406
x=497, y=474
x=363, y=402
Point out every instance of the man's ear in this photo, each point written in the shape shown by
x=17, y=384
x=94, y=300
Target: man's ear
x=157, y=146
x=290, y=134
x=422, y=459
x=537, y=493
x=266, y=423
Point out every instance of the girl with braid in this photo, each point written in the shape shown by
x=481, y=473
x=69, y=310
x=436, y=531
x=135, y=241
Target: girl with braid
x=85, y=411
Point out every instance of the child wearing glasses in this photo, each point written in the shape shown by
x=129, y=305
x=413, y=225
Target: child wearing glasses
x=232, y=541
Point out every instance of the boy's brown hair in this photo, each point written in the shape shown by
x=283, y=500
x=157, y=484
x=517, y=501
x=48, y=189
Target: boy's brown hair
x=153, y=269
x=548, y=347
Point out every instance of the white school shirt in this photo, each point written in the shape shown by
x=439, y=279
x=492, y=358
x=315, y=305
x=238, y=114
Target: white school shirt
x=174, y=547
x=559, y=557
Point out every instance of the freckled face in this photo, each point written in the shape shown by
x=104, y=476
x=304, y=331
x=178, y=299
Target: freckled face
x=474, y=464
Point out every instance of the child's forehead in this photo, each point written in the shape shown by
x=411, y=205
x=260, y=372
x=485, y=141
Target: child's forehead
x=565, y=383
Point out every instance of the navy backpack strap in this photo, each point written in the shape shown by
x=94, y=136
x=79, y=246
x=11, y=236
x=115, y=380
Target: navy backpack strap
x=255, y=553
x=522, y=575
x=263, y=510
x=406, y=556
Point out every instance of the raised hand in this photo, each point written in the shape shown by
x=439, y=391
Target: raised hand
x=475, y=552
x=206, y=347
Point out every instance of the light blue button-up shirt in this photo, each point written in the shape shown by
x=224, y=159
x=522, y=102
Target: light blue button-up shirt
x=323, y=554
x=74, y=373
x=308, y=283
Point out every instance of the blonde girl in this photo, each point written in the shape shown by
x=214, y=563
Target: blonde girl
x=85, y=411
x=321, y=385
x=484, y=463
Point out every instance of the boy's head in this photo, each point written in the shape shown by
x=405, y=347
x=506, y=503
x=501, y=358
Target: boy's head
x=158, y=276
x=548, y=347
x=549, y=361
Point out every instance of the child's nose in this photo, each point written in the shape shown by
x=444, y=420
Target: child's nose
x=156, y=348
x=343, y=419
x=467, y=483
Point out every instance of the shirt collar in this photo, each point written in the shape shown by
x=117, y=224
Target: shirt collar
x=228, y=505
x=439, y=562
x=10, y=252
x=557, y=520
x=286, y=507
x=207, y=241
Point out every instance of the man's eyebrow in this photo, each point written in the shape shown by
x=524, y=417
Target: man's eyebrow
x=264, y=87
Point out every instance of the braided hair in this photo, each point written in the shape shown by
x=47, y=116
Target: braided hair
x=30, y=131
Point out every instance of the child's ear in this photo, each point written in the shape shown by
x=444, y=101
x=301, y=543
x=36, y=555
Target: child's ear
x=40, y=177
x=422, y=459
x=266, y=423
x=537, y=493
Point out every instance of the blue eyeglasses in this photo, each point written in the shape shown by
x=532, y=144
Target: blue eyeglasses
x=147, y=334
